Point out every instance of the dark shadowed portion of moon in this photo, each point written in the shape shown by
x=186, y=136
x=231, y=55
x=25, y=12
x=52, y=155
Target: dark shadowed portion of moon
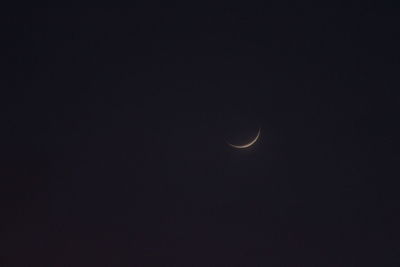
x=239, y=129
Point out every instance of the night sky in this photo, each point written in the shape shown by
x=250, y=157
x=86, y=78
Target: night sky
x=115, y=123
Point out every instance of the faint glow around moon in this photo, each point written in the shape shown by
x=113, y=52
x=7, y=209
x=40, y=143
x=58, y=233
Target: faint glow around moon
x=248, y=144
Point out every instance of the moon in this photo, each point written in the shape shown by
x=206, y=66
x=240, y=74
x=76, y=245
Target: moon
x=252, y=142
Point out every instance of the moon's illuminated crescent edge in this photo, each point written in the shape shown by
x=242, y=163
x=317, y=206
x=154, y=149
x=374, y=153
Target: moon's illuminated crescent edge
x=248, y=144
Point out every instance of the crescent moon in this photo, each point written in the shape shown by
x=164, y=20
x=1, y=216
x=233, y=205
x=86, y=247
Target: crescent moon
x=248, y=144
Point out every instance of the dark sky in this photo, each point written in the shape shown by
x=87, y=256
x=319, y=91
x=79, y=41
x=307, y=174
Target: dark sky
x=114, y=125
